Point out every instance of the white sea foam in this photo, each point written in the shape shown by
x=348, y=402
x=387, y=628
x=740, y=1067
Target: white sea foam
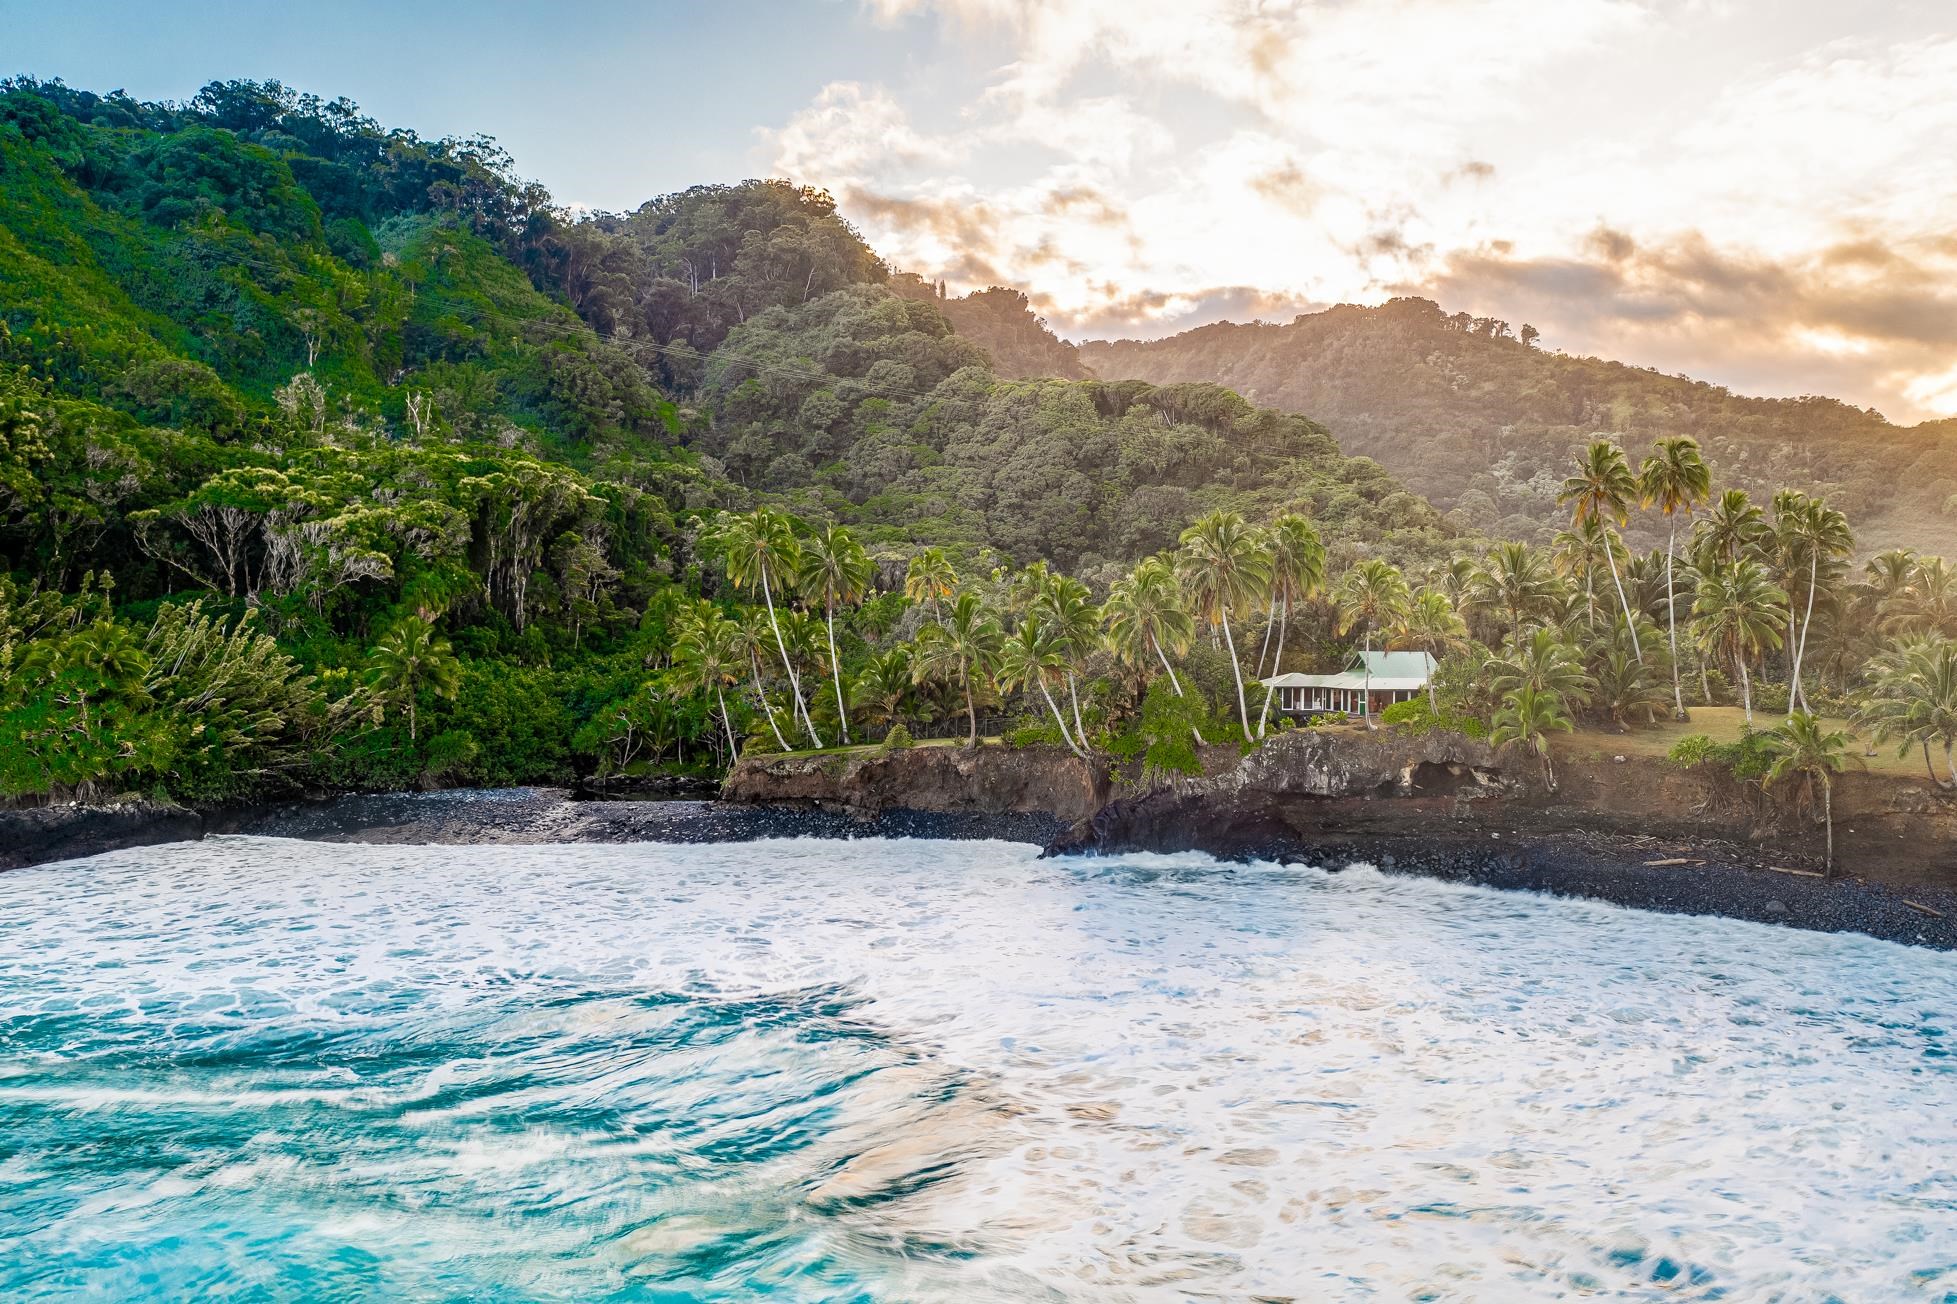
x=951, y=1071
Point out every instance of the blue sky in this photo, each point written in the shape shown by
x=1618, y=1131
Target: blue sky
x=1755, y=192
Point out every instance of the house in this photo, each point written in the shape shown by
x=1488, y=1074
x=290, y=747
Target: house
x=1394, y=677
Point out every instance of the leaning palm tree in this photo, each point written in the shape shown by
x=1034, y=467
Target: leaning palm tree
x=930, y=579
x=1065, y=608
x=1297, y=573
x=1809, y=753
x=1675, y=480
x=1814, y=540
x=1526, y=718
x=1226, y=564
x=1603, y=487
x=1031, y=658
x=1912, y=699
x=1371, y=596
x=757, y=634
x=760, y=549
x=835, y=569
x=963, y=649
x=1429, y=623
x=1737, y=615
x=409, y=658
x=1146, y=617
x=707, y=657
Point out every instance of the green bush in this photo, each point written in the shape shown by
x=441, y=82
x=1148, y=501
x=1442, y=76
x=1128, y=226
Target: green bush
x=1418, y=717
x=1748, y=758
x=898, y=738
x=1028, y=732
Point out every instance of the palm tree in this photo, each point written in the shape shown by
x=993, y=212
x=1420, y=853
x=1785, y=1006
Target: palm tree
x=1927, y=604
x=1912, y=698
x=1514, y=582
x=1624, y=686
x=1297, y=572
x=1811, y=536
x=1429, y=623
x=1226, y=564
x=930, y=578
x=1733, y=528
x=1066, y=610
x=1604, y=487
x=1810, y=753
x=1737, y=615
x=760, y=548
x=882, y=690
x=835, y=568
x=1584, y=550
x=1145, y=615
x=707, y=657
x=1030, y=658
x=1371, y=594
x=1546, y=664
x=964, y=648
x=1674, y=479
x=409, y=657
x=1527, y=717
x=756, y=633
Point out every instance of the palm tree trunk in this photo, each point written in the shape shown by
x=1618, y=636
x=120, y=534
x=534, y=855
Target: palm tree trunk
x=1807, y=621
x=1610, y=555
x=761, y=691
x=727, y=722
x=1950, y=762
x=1173, y=681
x=1236, y=672
x=1074, y=697
x=781, y=645
x=1746, y=690
x=1548, y=768
x=1671, y=620
x=1264, y=717
x=971, y=711
x=1828, y=815
x=1059, y=719
x=1367, y=701
x=411, y=715
x=1270, y=622
x=836, y=669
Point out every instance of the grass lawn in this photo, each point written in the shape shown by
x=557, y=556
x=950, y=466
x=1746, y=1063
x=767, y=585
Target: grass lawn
x=1722, y=724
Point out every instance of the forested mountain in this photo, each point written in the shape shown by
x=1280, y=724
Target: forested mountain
x=1003, y=323
x=1475, y=418
x=333, y=454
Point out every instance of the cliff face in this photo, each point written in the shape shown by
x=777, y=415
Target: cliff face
x=987, y=780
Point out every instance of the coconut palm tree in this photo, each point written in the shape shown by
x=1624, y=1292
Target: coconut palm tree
x=1807, y=752
x=759, y=549
x=1031, y=658
x=1225, y=564
x=1429, y=623
x=1927, y=604
x=1604, y=487
x=1146, y=617
x=1514, y=584
x=882, y=689
x=1371, y=596
x=1526, y=718
x=930, y=579
x=964, y=648
x=707, y=656
x=1297, y=573
x=1813, y=540
x=1583, y=551
x=836, y=570
x=1675, y=480
x=1067, y=612
x=757, y=639
x=411, y=657
x=1912, y=699
x=1737, y=615
x=1545, y=663
x=1733, y=528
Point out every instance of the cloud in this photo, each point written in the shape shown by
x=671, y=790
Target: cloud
x=1751, y=190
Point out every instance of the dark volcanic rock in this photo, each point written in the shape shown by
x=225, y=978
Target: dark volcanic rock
x=45, y=833
x=986, y=780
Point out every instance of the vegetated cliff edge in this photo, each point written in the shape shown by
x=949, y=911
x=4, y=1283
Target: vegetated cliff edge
x=1639, y=831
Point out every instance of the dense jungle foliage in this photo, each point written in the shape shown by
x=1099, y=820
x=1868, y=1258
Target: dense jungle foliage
x=335, y=456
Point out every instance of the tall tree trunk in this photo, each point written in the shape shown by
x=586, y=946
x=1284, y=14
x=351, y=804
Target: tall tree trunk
x=1059, y=719
x=1807, y=621
x=1828, y=815
x=1073, y=696
x=1285, y=621
x=1270, y=622
x=761, y=691
x=1671, y=620
x=1173, y=681
x=971, y=712
x=1610, y=555
x=1367, y=700
x=836, y=670
x=1746, y=690
x=1950, y=761
x=1236, y=672
x=727, y=722
x=781, y=645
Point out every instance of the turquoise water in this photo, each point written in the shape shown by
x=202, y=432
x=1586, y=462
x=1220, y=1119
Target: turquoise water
x=257, y=1069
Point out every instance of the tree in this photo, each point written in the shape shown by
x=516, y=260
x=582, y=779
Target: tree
x=1029, y=659
x=1297, y=573
x=1813, y=538
x=1371, y=596
x=1734, y=528
x=1225, y=563
x=1737, y=615
x=1527, y=717
x=930, y=578
x=1513, y=582
x=1603, y=487
x=1912, y=699
x=836, y=569
x=1544, y=663
x=1065, y=609
x=760, y=549
x=707, y=657
x=756, y=633
x=964, y=648
x=1675, y=480
x=883, y=690
x=1430, y=624
x=411, y=657
x=1808, y=753
x=1146, y=617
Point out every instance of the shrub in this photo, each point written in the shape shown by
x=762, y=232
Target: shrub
x=1028, y=732
x=898, y=738
x=1748, y=758
x=1417, y=717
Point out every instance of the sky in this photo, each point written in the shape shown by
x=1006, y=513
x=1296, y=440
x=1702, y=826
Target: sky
x=1754, y=192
